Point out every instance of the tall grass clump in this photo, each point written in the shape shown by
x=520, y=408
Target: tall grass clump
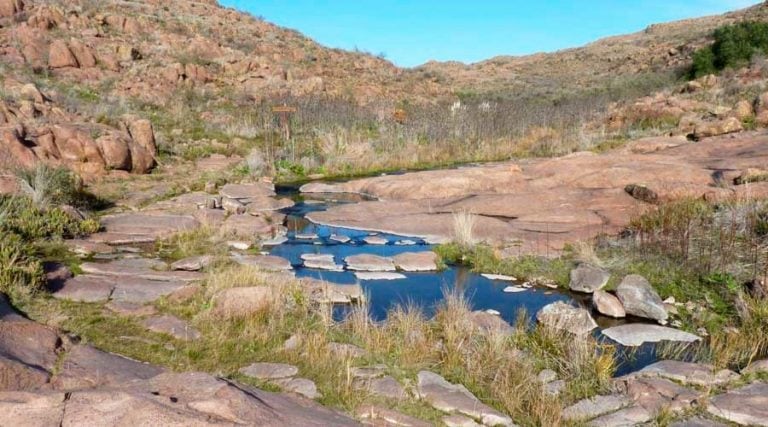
x=464, y=229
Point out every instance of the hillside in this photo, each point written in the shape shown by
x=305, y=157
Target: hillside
x=659, y=50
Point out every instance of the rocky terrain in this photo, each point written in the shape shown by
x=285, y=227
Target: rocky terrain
x=162, y=305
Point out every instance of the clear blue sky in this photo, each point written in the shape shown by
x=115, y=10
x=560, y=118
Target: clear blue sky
x=413, y=32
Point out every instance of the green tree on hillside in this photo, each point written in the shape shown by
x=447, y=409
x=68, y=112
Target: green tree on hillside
x=734, y=46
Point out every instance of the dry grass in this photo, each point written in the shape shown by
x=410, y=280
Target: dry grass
x=464, y=229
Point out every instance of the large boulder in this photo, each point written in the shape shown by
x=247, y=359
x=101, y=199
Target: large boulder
x=563, y=316
x=721, y=127
x=10, y=7
x=82, y=53
x=608, y=305
x=115, y=151
x=588, y=278
x=639, y=299
x=59, y=55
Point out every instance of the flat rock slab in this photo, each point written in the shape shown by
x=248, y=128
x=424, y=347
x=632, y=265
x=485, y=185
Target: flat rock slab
x=244, y=192
x=587, y=409
x=514, y=289
x=383, y=275
x=154, y=225
x=632, y=416
x=266, y=262
x=86, y=367
x=340, y=238
x=563, y=316
x=116, y=239
x=139, y=290
x=321, y=262
x=635, y=334
x=697, y=422
x=387, y=417
x=747, y=405
x=301, y=386
x=131, y=268
x=87, y=248
x=375, y=240
x=499, y=277
x=195, y=263
x=172, y=326
x=689, y=373
x=656, y=394
x=85, y=288
x=269, y=371
x=368, y=262
x=416, y=261
x=448, y=397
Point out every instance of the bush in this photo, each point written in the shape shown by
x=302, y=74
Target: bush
x=21, y=274
x=22, y=217
x=734, y=46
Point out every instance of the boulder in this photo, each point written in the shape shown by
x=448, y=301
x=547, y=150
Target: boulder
x=59, y=55
x=747, y=405
x=720, y=127
x=608, y=305
x=242, y=302
x=10, y=7
x=588, y=278
x=743, y=110
x=642, y=193
x=82, y=53
x=195, y=263
x=448, y=397
x=563, y=316
x=639, y=299
x=756, y=366
x=749, y=175
x=116, y=153
x=635, y=334
x=490, y=323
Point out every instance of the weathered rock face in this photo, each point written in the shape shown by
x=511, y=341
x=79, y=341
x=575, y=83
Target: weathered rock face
x=747, y=405
x=10, y=7
x=563, y=316
x=639, y=299
x=588, y=278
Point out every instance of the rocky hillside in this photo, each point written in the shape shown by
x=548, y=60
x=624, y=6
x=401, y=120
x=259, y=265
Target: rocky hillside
x=625, y=59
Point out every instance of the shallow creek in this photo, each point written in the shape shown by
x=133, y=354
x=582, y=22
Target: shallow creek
x=422, y=289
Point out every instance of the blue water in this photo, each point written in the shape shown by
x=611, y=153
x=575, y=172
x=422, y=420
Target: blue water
x=425, y=290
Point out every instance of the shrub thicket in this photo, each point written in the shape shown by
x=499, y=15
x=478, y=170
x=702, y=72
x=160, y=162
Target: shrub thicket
x=734, y=46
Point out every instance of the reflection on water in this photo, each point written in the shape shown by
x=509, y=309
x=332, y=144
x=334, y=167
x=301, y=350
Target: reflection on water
x=425, y=289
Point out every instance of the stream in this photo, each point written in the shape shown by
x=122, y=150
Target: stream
x=422, y=289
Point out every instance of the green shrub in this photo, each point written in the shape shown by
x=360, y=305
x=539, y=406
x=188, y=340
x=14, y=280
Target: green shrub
x=734, y=46
x=21, y=216
x=21, y=274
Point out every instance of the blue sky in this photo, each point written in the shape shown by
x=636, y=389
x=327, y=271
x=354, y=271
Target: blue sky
x=410, y=33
